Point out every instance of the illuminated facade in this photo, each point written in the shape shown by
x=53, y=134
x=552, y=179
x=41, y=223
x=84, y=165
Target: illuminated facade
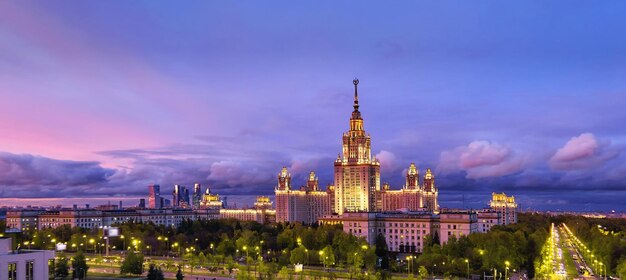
x=356, y=183
x=306, y=204
x=23, y=219
x=180, y=197
x=154, y=197
x=211, y=201
x=506, y=206
x=261, y=213
x=197, y=195
x=412, y=196
x=357, y=174
x=406, y=231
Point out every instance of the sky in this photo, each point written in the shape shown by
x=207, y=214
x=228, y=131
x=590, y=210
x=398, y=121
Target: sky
x=100, y=99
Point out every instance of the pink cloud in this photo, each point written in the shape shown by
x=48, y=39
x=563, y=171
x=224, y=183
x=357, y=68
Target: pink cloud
x=481, y=159
x=387, y=160
x=582, y=152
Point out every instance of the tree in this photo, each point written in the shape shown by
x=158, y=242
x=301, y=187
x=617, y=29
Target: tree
x=79, y=266
x=154, y=273
x=621, y=268
x=61, y=269
x=327, y=256
x=179, y=274
x=132, y=264
x=298, y=255
x=422, y=272
x=381, y=251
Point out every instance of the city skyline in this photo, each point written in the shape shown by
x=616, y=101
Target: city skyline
x=94, y=107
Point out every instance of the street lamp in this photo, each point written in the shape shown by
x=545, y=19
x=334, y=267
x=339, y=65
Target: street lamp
x=506, y=273
x=467, y=262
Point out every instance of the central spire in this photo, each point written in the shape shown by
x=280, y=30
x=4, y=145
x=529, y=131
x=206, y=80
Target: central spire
x=356, y=115
x=356, y=94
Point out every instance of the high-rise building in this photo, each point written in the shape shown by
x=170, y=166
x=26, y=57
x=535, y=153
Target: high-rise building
x=180, y=196
x=506, y=206
x=356, y=183
x=197, y=195
x=154, y=197
x=357, y=174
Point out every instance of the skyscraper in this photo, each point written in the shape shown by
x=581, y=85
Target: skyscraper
x=180, y=196
x=357, y=174
x=154, y=197
x=197, y=195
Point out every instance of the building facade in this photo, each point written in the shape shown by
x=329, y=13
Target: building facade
x=487, y=219
x=506, y=206
x=413, y=196
x=306, y=204
x=23, y=220
x=405, y=231
x=23, y=264
x=196, y=196
x=154, y=197
x=357, y=174
x=356, y=185
x=261, y=213
x=456, y=223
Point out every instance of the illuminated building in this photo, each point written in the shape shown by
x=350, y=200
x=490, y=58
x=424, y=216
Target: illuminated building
x=154, y=197
x=92, y=218
x=24, y=264
x=263, y=202
x=456, y=223
x=487, y=219
x=412, y=196
x=356, y=183
x=23, y=219
x=506, y=206
x=405, y=231
x=180, y=197
x=261, y=213
x=210, y=200
x=357, y=174
x=197, y=195
x=306, y=204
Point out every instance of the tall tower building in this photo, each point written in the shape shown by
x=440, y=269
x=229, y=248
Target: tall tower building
x=197, y=195
x=180, y=196
x=431, y=193
x=506, y=206
x=412, y=178
x=154, y=197
x=357, y=175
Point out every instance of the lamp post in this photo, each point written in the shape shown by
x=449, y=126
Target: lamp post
x=123, y=242
x=467, y=262
x=506, y=272
x=321, y=253
x=408, y=266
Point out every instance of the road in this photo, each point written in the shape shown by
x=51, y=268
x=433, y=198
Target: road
x=167, y=274
x=573, y=249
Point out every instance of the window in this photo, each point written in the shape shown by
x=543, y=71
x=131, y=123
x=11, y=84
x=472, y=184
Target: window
x=12, y=271
x=30, y=270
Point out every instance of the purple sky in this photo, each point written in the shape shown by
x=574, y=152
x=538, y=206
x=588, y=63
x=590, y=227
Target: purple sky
x=104, y=98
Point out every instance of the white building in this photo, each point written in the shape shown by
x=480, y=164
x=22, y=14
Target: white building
x=23, y=264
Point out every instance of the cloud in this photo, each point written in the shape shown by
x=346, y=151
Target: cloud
x=388, y=161
x=481, y=159
x=582, y=152
x=31, y=175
